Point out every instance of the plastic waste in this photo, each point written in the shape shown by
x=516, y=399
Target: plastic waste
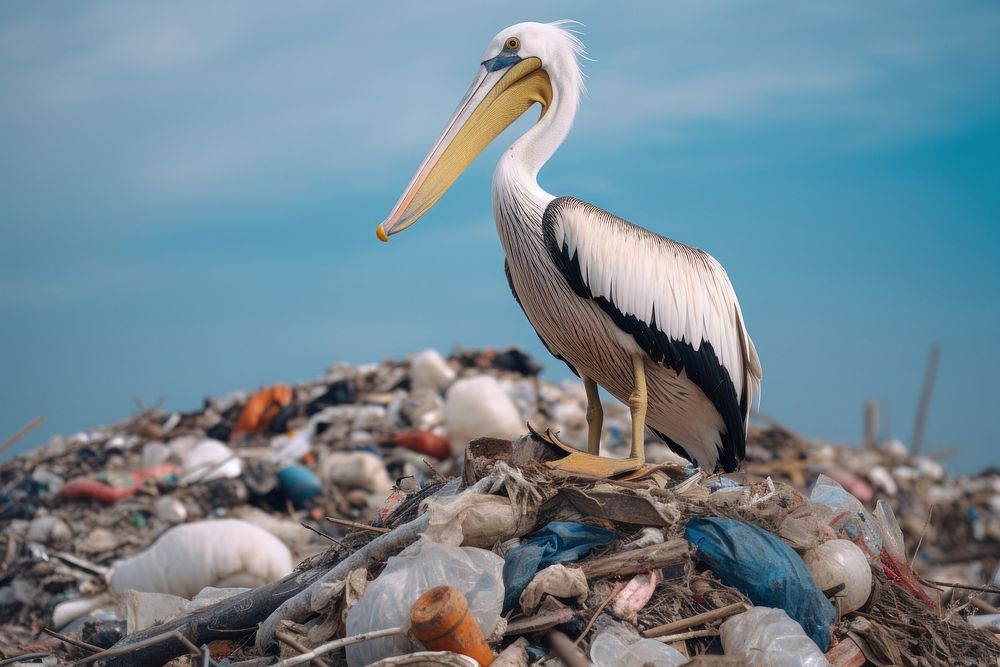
x=209, y=460
x=766, y=569
x=112, y=486
x=66, y=612
x=617, y=646
x=144, y=610
x=849, y=518
x=170, y=509
x=261, y=409
x=478, y=407
x=555, y=580
x=387, y=601
x=471, y=519
x=191, y=556
x=423, y=442
x=558, y=542
x=841, y=562
x=635, y=595
x=47, y=528
x=429, y=370
x=765, y=637
x=356, y=470
x=299, y=484
x=440, y=619
x=294, y=446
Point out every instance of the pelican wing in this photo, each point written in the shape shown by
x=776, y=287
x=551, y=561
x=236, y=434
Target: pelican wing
x=675, y=301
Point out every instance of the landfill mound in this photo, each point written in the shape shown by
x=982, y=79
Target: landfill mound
x=403, y=513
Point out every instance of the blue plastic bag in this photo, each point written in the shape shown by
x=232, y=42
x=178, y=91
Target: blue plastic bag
x=766, y=569
x=558, y=542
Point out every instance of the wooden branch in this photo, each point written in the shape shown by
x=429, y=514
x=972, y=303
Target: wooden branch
x=623, y=563
x=694, y=621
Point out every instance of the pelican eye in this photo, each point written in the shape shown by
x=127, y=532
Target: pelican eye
x=512, y=43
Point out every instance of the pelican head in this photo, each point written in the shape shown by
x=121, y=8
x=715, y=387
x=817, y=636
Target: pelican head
x=518, y=69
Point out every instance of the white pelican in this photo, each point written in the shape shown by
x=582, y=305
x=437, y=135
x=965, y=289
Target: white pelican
x=653, y=321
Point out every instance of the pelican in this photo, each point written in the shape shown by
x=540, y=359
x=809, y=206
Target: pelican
x=653, y=321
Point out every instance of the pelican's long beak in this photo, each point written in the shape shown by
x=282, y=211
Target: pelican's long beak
x=504, y=89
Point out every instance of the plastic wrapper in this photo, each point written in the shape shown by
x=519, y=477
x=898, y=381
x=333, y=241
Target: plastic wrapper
x=558, y=542
x=850, y=519
x=477, y=573
x=616, y=646
x=765, y=637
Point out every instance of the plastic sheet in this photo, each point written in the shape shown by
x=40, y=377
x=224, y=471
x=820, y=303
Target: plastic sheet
x=418, y=568
x=558, y=542
x=616, y=646
x=765, y=637
x=766, y=569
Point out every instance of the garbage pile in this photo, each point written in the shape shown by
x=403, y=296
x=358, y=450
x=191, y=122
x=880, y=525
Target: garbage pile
x=398, y=514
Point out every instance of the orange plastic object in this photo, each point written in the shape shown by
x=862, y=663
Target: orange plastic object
x=423, y=442
x=111, y=486
x=261, y=409
x=441, y=620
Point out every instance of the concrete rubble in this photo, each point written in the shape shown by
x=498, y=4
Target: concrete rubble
x=327, y=522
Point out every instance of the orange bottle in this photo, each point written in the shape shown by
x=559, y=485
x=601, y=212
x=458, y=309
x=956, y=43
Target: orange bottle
x=441, y=620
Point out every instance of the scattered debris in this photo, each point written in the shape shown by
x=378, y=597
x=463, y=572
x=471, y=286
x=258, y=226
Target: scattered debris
x=179, y=536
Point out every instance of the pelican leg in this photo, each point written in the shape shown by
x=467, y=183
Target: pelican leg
x=637, y=402
x=595, y=416
x=589, y=464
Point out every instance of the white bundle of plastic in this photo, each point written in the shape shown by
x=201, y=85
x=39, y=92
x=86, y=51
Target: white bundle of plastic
x=478, y=407
x=185, y=559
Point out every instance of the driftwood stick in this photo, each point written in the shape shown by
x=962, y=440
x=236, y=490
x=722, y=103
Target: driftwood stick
x=684, y=636
x=694, y=621
x=69, y=640
x=172, y=635
x=355, y=524
x=925, y=398
x=648, y=558
x=292, y=642
x=566, y=650
x=597, y=612
x=337, y=643
x=21, y=432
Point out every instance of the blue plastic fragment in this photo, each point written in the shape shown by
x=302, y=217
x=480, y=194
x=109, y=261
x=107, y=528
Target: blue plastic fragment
x=764, y=568
x=558, y=542
x=299, y=484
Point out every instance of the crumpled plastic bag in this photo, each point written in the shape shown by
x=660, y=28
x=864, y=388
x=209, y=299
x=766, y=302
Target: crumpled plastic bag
x=766, y=569
x=765, y=637
x=471, y=519
x=556, y=580
x=558, y=542
x=616, y=646
x=418, y=568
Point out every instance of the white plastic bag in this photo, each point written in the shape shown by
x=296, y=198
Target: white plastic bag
x=209, y=460
x=616, y=646
x=189, y=557
x=478, y=407
x=765, y=637
x=477, y=573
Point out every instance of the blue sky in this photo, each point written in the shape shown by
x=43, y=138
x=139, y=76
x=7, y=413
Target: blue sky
x=188, y=194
